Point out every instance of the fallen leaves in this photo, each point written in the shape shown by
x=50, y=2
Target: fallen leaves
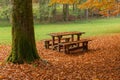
x=0, y=63
x=2, y=77
x=101, y=62
x=95, y=79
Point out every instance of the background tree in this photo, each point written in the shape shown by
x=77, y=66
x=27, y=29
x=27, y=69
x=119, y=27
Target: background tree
x=23, y=39
x=54, y=12
x=5, y=9
x=44, y=10
x=103, y=7
x=65, y=12
x=65, y=4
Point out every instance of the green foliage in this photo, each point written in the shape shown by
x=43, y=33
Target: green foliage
x=42, y=11
x=36, y=11
x=5, y=9
x=5, y=12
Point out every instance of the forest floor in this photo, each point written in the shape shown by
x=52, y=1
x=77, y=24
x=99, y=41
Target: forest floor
x=101, y=62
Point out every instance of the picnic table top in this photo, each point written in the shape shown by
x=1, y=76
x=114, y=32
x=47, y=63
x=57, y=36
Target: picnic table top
x=66, y=33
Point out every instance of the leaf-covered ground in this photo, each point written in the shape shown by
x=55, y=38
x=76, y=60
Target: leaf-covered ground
x=101, y=62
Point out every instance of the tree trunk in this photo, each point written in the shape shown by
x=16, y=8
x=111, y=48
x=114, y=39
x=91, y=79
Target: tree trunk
x=41, y=3
x=54, y=13
x=65, y=12
x=86, y=13
x=43, y=10
x=23, y=39
x=74, y=7
x=79, y=11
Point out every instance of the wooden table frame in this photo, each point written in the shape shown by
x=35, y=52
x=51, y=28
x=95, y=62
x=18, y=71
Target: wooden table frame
x=59, y=35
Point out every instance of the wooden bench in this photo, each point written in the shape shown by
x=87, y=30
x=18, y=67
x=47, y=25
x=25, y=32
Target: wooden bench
x=47, y=42
x=70, y=46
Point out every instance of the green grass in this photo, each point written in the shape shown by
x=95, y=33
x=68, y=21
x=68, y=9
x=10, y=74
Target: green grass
x=94, y=27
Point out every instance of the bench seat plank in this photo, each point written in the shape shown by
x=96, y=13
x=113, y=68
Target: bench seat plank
x=67, y=47
x=75, y=42
x=47, y=42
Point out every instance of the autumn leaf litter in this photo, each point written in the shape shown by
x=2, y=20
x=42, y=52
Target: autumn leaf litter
x=101, y=62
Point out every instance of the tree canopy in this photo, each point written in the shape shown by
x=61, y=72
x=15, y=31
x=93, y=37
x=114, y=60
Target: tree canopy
x=63, y=1
x=104, y=7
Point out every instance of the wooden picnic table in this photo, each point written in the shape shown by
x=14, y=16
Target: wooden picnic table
x=59, y=35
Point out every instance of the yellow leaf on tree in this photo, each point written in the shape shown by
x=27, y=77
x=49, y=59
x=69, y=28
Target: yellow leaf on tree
x=104, y=7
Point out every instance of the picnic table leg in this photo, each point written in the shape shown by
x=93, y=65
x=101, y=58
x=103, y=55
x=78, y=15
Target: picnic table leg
x=67, y=39
x=64, y=49
x=85, y=46
x=78, y=38
x=53, y=42
x=47, y=44
x=72, y=37
x=59, y=41
x=58, y=49
x=67, y=49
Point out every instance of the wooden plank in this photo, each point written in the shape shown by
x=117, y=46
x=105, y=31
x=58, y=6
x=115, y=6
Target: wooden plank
x=75, y=42
x=66, y=33
x=65, y=38
x=48, y=43
x=67, y=47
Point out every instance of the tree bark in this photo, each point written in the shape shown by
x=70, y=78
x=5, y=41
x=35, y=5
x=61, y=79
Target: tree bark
x=86, y=13
x=41, y=10
x=23, y=39
x=65, y=12
x=54, y=13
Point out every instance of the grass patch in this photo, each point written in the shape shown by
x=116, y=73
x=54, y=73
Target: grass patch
x=94, y=27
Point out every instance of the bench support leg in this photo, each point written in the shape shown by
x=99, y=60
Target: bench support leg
x=47, y=44
x=66, y=49
x=58, y=48
x=85, y=46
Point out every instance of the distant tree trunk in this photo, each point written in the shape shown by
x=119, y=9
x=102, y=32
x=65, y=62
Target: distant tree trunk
x=73, y=7
x=86, y=13
x=6, y=12
x=79, y=15
x=118, y=7
x=65, y=12
x=54, y=13
x=41, y=2
x=23, y=39
x=79, y=11
x=43, y=10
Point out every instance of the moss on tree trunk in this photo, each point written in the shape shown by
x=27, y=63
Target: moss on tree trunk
x=23, y=39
